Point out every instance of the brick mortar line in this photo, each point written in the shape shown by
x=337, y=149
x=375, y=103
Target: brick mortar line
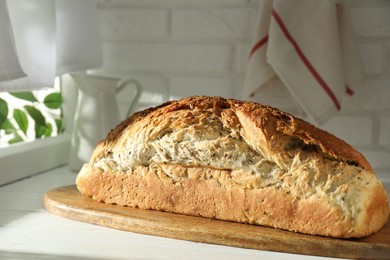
x=175, y=39
x=382, y=76
x=177, y=5
x=173, y=73
x=372, y=39
x=363, y=112
x=169, y=24
x=365, y=3
x=376, y=129
x=373, y=148
x=386, y=60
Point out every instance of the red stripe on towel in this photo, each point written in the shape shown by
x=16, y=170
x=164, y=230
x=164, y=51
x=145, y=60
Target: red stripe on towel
x=349, y=91
x=307, y=63
x=258, y=45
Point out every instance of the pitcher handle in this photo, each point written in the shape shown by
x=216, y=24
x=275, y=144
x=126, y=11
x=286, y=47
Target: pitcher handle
x=138, y=89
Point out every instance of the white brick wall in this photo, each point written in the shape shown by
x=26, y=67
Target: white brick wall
x=356, y=130
x=168, y=57
x=177, y=48
x=371, y=18
x=373, y=57
x=214, y=23
x=384, y=134
x=123, y=24
x=180, y=87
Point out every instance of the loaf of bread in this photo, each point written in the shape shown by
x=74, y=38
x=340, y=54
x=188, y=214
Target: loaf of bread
x=237, y=161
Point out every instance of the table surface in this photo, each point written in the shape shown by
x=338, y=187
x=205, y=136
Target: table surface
x=28, y=231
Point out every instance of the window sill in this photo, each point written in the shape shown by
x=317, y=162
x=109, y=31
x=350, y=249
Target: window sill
x=25, y=159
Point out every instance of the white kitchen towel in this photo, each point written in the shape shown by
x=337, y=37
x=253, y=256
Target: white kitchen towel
x=9, y=63
x=310, y=46
x=52, y=38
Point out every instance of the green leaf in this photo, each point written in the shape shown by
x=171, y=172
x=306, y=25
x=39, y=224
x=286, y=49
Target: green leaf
x=3, y=111
x=21, y=119
x=29, y=96
x=48, y=130
x=8, y=127
x=53, y=100
x=40, y=130
x=58, y=124
x=39, y=119
x=36, y=115
x=16, y=139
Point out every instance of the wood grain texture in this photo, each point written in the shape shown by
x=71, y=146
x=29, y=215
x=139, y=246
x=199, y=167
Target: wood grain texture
x=70, y=203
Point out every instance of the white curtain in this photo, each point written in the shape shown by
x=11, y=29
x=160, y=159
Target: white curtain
x=42, y=39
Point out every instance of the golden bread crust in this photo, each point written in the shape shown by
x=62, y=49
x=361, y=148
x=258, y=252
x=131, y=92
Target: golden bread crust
x=238, y=161
x=145, y=188
x=269, y=121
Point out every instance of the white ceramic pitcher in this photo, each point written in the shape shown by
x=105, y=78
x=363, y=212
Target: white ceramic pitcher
x=96, y=113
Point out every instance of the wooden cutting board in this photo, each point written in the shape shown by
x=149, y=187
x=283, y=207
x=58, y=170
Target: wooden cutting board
x=70, y=203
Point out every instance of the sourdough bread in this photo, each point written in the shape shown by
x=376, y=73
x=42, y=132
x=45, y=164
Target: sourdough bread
x=237, y=161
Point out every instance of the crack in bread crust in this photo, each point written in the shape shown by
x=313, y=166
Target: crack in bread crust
x=228, y=149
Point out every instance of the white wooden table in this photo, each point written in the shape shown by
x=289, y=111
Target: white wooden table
x=28, y=231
